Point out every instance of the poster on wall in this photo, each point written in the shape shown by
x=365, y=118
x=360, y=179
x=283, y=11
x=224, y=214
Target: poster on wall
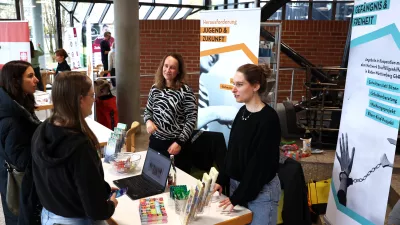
x=98, y=31
x=14, y=42
x=71, y=47
x=97, y=35
x=370, y=117
x=228, y=39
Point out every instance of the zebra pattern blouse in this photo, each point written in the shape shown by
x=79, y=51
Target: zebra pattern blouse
x=174, y=112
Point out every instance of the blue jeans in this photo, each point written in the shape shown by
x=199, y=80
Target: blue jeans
x=265, y=206
x=49, y=218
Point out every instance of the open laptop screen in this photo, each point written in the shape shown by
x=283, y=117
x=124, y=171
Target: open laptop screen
x=156, y=167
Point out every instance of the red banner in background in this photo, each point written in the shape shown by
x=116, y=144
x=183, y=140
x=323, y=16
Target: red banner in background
x=14, y=42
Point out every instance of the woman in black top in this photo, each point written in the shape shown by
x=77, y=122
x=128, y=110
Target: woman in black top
x=61, y=56
x=171, y=111
x=67, y=169
x=17, y=123
x=252, y=159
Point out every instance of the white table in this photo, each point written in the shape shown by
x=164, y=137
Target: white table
x=127, y=211
x=102, y=133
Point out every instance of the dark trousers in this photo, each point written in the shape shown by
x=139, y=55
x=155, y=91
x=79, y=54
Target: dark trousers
x=105, y=63
x=9, y=217
x=39, y=77
x=113, y=75
x=182, y=160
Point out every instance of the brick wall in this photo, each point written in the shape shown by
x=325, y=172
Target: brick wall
x=159, y=37
x=321, y=42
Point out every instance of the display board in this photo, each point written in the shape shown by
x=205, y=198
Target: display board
x=370, y=117
x=14, y=41
x=228, y=39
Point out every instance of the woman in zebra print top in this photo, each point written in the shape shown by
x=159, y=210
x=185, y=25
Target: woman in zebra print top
x=171, y=111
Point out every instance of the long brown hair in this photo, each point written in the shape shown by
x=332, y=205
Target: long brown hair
x=11, y=79
x=68, y=90
x=180, y=77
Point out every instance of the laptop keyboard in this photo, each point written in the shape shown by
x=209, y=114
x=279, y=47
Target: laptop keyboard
x=138, y=187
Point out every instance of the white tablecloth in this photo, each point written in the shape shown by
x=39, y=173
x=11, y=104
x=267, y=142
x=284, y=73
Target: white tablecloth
x=127, y=211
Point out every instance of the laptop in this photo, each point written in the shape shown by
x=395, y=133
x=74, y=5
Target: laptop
x=153, y=179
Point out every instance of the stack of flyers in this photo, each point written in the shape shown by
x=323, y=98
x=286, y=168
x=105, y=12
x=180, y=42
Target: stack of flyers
x=111, y=149
x=207, y=185
x=213, y=175
x=121, y=126
x=191, y=204
x=118, y=139
x=152, y=211
x=199, y=199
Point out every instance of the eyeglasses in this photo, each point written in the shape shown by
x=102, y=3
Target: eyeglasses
x=92, y=95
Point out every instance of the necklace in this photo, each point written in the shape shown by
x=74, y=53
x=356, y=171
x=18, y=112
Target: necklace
x=245, y=118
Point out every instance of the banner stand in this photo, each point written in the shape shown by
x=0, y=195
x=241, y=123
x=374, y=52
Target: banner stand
x=326, y=220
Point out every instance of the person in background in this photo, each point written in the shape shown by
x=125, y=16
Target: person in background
x=61, y=56
x=252, y=160
x=36, y=65
x=111, y=63
x=105, y=49
x=67, y=169
x=18, y=122
x=171, y=111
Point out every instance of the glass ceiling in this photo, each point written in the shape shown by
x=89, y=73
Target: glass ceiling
x=148, y=10
x=102, y=11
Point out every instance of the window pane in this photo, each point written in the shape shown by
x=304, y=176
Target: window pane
x=217, y=2
x=7, y=9
x=322, y=11
x=143, y=10
x=344, y=11
x=167, y=15
x=296, y=11
x=168, y=1
x=277, y=15
x=181, y=13
x=195, y=16
x=67, y=5
x=109, y=18
x=96, y=12
x=81, y=10
x=243, y=5
x=156, y=12
x=192, y=2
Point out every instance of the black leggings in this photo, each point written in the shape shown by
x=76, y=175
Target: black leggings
x=182, y=160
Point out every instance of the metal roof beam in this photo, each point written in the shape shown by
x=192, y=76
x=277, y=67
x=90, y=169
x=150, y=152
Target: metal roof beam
x=104, y=13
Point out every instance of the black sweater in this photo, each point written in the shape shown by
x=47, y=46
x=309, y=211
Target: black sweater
x=68, y=174
x=253, y=153
x=61, y=67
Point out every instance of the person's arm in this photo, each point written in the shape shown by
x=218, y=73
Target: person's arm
x=148, y=112
x=111, y=61
x=263, y=165
x=39, y=52
x=190, y=111
x=17, y=151
x=90, y=184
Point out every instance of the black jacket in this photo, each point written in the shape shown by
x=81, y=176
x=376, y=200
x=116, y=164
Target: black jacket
x=17, y=126
x=68, y=174
x=295, y=206
x=61, y=67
